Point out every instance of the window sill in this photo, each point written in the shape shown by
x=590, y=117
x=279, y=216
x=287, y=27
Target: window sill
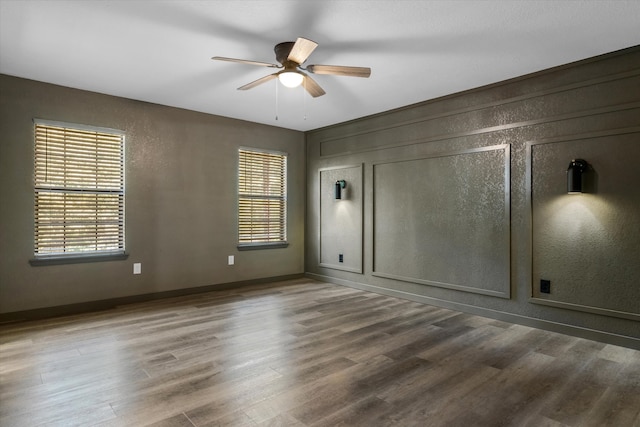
x=76, y=259
x=256, y=246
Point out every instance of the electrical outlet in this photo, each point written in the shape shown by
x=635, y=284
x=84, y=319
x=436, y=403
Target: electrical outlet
x=545, y=286
x=137, y=268
x=340, y=258
x=231, y=260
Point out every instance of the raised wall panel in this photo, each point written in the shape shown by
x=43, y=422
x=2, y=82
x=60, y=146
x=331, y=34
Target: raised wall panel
x=341, y=220
x=444, y=220
x=587, y=245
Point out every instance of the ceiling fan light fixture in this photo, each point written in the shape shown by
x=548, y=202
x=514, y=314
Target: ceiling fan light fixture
x=291, y=78
x=291, y=55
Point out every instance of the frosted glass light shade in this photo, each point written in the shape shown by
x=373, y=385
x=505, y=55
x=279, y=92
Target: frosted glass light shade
x=290, y=78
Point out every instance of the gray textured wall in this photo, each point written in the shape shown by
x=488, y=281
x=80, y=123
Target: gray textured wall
x=342, y=234
x=466, y=204
x=588, y=245
x=181, y=221
x=444, y=220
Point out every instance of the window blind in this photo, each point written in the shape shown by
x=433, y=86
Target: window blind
x=79, y=191
x=261, y=197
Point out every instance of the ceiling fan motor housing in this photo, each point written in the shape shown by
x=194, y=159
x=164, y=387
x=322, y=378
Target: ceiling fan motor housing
x=282, y=51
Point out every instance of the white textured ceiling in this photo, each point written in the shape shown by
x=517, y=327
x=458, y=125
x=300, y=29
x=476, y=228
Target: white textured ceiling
x=159, y=51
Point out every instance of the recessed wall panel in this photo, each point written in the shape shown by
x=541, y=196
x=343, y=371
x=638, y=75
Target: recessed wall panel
x=341, y=219
x=588, y=245
x=444, y=220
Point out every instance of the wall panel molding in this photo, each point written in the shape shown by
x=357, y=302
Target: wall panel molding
x=586, y=308
x=593, y=70
x=345, y=136
x=487, y=244
x=455, y=135
x=592, y=206
x=340, y=225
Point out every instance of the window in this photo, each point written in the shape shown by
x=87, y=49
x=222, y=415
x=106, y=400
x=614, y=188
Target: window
x=79, y=191
x=262, y=198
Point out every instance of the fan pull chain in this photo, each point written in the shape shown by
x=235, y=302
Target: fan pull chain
x=304, y=99
x=276, y=99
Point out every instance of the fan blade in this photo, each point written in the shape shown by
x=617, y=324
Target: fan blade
x=258, y=82
x=339, y=70
x=301, y=50
x=312, y=86
x=244, y=61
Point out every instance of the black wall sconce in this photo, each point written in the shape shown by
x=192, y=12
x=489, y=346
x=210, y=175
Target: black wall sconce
x=340, y=184
x=574, y=175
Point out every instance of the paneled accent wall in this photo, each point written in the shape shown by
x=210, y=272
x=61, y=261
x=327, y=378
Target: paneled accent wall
x=465, y=200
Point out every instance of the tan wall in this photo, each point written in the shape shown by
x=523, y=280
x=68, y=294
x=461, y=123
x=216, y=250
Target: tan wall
x=180, y=199
x=465, y=202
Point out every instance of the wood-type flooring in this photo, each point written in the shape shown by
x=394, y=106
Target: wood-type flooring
x=307, y=353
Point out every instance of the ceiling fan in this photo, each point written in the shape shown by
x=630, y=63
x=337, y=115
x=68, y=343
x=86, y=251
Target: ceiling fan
x=291, y=56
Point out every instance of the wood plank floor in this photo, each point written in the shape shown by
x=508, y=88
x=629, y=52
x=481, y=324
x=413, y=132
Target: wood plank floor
x=307, y=353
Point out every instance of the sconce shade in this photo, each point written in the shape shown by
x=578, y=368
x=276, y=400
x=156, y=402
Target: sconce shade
x=574, y=176
x=340, y=184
